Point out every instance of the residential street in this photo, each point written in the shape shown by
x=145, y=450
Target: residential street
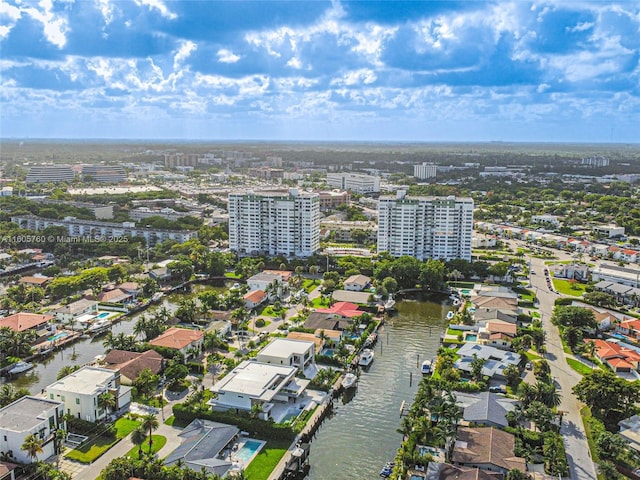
x=580, y=464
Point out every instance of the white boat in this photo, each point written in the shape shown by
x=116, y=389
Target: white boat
x=426, y=367
x=99, y=326
x=390, y=304
x=366, y=357
x=450, y=315
x=20, y=367
x=349, y=381
x=456, y=302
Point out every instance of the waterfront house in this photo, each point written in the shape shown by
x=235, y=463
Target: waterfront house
x=205, y=445
x=324, y=321
x=182, y=339
x=445, y=471
x=496, y=360
x=30, y=415
x=485, y=408
x=74, y=310
x=293, y=353
x=496, y=333
x=357, y=283
x=20, y=322
x=266, y=281
x=254, y=298
x=503, y=315
x=359, y=298
x=115, y=296
x=501, y=303
x=130, y=364
x=80, y=391
x=486, y=448
x=257, y=384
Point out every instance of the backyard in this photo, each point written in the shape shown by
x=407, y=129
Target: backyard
x=264, y=463
x=569, y=287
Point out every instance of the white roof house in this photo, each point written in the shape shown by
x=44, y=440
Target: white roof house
x=357, y=283
x=496, y=360
x=293, y=353
x=81, y=389
x=30, y=415
x=253, y=383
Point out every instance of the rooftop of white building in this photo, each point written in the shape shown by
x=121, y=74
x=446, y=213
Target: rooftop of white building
x=84, y=381
x=255, y=379
x=283, y=347
x=26, y=413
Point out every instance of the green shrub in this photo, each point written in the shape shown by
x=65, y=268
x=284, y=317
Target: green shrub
x=195, y=367
x=260, y=323
x=564, y=301
x=255, y=426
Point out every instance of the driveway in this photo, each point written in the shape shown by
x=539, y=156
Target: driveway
x=578, y=456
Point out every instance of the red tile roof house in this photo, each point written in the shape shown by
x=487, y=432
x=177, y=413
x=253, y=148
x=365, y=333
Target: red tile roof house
x=254, y=298
x=131, y=364
x=19, y=322
x=619, y=358
x=34, y=281
x=181, y=339
x=342, y=309
x=629, y=328
x=486, y=448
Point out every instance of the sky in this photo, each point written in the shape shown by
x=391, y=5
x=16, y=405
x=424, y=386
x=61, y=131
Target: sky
x=418, y=71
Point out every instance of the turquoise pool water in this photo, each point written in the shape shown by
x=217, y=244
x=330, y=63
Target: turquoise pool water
x=328, y=352
x=57, y=336
x=471, y=338
x=291, y=414
x=465, y=291
x=248, y=450
x=417, y=477
x=103, y=315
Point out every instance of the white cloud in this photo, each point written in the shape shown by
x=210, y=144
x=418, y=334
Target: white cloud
x=55, y=28
x=106, y=9
x=9, y=15
x=186, y=47
x=227, y=56
x=159, y=6
x=294, y=62
x=580, y=27
x=363, y=76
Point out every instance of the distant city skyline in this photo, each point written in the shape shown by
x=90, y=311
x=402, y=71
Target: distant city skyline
x=316, y=71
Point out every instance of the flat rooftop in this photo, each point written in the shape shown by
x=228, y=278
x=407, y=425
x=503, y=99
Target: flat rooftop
x=285, y=347
x=26, y=413
x=84, y=381
x=258, y=380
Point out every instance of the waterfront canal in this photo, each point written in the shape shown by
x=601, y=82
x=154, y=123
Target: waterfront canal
x=86, y=349
x=362, y=434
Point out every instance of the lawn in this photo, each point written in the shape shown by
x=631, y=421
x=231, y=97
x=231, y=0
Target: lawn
x=308, y=285
x=169, y=421
x=320, y=302
x=566, y=288
x=159, y=441
x=585, y=413
x=93, y=449
x=269, y=311
x=232, y=275
x=578, y=366
x=263, y=464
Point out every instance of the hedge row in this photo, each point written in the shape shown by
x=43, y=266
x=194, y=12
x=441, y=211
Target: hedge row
x=255, y=426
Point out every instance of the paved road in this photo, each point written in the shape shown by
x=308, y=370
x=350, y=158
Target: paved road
x=572, y=430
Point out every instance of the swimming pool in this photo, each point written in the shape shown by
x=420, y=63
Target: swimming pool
x=471, y=338
x=103, y=315
x=328, y=352
x=58, y=336
x=465, y=291
x=248, y=450
x=291, y=415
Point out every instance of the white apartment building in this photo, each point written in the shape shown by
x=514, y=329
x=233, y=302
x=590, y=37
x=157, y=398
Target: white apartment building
x=80, y=391
x=354, y=182
x=50, y=173
x=95, y=229
x=30, y=415
x=424, y=171
x=274, y=223
x=425, y=227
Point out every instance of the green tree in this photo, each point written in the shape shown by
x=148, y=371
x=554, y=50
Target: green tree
x=149, y=423
x=146, y=383
x=138, y=436
x=9, y=394
x=32, y=445
x=610, y=397
x=67, y=370
x=107, y=402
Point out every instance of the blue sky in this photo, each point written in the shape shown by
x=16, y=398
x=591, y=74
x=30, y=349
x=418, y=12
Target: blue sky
x=559, y=71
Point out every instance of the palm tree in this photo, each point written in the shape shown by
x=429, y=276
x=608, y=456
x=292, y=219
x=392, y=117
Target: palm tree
x=107, y=401
x=138, y=436
x=32, y=445
x=150, y=423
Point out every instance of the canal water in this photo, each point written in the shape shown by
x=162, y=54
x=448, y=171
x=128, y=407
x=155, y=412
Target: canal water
x=362, y=434
x=86, y=349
